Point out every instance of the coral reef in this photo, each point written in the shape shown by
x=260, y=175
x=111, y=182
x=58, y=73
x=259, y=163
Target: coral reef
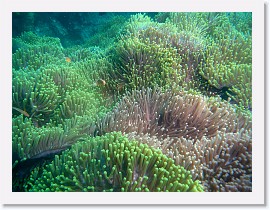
x=132, y=102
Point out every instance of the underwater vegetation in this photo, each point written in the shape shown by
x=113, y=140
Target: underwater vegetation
x=154, y=102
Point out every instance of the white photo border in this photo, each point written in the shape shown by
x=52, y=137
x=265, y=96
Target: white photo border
x=257, y=196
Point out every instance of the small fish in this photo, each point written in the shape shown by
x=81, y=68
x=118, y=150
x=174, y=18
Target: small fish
x=21, y=111
x=120, y=86
x=68, y=59
x=101, y=82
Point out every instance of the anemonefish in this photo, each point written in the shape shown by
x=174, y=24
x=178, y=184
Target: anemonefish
x=100, y=82
x=68, y=59
x=21, y=111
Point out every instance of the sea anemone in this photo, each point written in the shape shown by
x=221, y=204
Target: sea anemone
x=111, y=163
x=170, y=114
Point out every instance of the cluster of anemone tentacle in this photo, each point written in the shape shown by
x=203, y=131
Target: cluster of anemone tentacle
x=165, y=106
